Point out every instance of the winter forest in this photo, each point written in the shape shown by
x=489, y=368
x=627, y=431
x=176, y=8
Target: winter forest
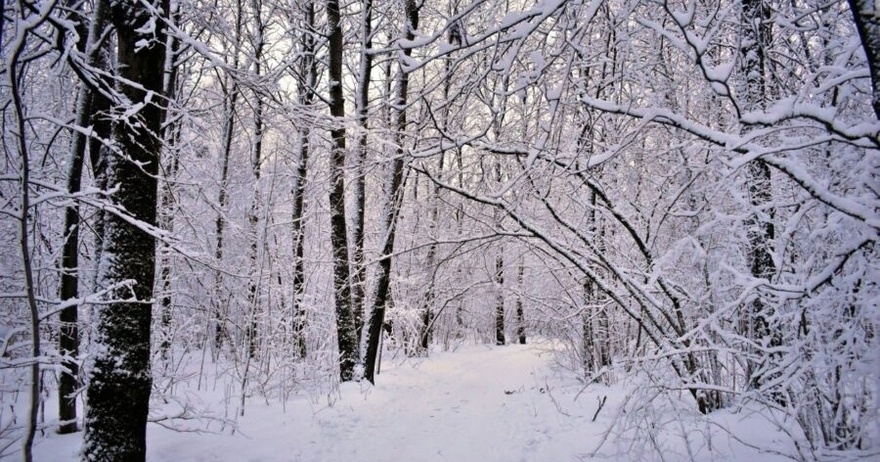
x=210, y=205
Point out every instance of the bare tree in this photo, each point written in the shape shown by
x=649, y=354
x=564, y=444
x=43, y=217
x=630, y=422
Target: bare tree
x=168, y=206
x=13, y=69
x=868, y=24
x=362, y=101
x=498, y=279
x=754, y=95
x=392, y=196
x=86, y=114
x=306, y=80
x=346, y=335
x=120, y=380
x=231, y=94
x=520, y=314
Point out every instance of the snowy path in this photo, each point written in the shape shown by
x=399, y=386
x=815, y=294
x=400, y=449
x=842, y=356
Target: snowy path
x=480, y=404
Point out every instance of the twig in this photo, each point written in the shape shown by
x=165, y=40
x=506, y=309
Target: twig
x=601, y=405
x=552, y=398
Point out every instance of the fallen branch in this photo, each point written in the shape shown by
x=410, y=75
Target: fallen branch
x=601, y=405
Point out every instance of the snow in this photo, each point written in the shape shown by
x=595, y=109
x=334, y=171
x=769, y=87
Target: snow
x=509, y=403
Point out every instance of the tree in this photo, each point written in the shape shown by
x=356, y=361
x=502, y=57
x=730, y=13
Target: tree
x=392, y=196
x=25, y=25
x=754, y=95
x=346, y=335
x=520, y=315
x=499, y=299
x=306, y=80
x=362, y=101
x=167, y=205
x=867, y=22
x=88, y=110
x=231, y=94
x=120, y=378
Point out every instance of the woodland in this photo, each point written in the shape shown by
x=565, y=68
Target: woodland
x=683, y=194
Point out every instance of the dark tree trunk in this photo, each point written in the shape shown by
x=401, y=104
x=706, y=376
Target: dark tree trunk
x=103, y=130
x=756, y=38
x=120, y=381
x=252, y=329
x=68, y=339
x=393, y=198
x=347, y=340
x=520, y=316
x=20, y=144
x=499, y=300
x=167, y=203
x=587, y=343
x=431, y=266
x=867, y=20
x=305, y=94
x=357, y=230
x=230, y=101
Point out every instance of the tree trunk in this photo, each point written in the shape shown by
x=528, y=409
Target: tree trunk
x=167, y=203
x=866, y=14
x=252, y=329
x=520, y=316
x=392, y=198
x=120, y=381
x=431, y=265
x=357, y=231
x=231, y=91
x=346, y=336
x=23, y=218
x=499, y=299
x=756, y=38
x=305, y=95
x=68, y=338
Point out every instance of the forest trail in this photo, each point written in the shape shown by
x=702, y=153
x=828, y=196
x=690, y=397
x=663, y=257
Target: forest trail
x=479, y=404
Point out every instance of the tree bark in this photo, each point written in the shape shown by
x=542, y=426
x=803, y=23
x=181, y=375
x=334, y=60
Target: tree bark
x=23, y=217
x=357, y=231
x=346, y=336
x=305, y=94
x=252, y=329
x=120, y=381
x=230, y=100
x=866, y=14
x=167, y=203
x=499, y=299
x=393, y=199
x=520, y=316
x=68, y=338
x=755, y=39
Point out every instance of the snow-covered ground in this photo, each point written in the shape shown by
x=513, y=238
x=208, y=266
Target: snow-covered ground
x=478, y=404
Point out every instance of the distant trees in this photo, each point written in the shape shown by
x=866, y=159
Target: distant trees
x=753, y=123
